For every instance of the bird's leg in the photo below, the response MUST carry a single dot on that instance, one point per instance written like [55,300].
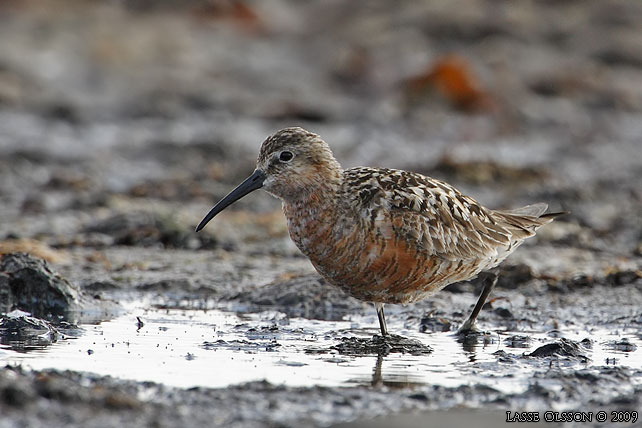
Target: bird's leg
[382,319]
[489,279]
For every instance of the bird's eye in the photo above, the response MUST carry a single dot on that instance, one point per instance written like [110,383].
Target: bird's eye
[286,156]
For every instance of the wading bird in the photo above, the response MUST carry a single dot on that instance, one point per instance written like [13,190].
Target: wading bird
[383,235]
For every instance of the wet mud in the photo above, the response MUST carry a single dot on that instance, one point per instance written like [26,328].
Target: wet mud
[380,346]
[122,123]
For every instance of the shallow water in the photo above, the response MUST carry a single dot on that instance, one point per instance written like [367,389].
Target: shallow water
[215,348]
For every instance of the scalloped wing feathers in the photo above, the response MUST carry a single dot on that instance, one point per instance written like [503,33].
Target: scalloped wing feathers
[434,216]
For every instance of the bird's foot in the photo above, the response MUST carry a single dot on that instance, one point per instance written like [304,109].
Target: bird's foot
[471,337]
[468,328]
[469,332]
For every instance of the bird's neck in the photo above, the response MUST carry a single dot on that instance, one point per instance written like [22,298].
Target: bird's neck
[316,200]
[313,189]
[310,215]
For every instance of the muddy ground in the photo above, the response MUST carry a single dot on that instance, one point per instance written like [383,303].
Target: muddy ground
[121,123]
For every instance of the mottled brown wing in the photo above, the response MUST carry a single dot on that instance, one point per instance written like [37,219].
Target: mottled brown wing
[429,214]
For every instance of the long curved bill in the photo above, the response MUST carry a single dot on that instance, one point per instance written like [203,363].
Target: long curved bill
[253,182]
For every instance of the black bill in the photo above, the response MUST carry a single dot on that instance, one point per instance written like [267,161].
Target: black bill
[253,182]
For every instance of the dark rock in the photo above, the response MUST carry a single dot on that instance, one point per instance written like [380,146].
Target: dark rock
[23,333]
[29,284]
[561,348]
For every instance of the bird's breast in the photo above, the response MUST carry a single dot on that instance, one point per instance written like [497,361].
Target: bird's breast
[370,264]
[316,231]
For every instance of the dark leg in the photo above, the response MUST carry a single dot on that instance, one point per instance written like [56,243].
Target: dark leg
[382,319]
[489,280]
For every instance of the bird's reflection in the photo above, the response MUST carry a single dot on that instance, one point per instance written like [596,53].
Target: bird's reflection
[396,381]
[471,342]
[394,347]
[377,377]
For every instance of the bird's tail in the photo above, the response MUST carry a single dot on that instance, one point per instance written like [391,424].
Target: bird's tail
[524,221]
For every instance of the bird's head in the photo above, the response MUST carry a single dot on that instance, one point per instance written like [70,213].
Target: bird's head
[292,164]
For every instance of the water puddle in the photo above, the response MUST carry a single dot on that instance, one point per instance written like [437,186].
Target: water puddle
[215,348]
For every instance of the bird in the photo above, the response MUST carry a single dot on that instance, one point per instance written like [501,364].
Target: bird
[385,236]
